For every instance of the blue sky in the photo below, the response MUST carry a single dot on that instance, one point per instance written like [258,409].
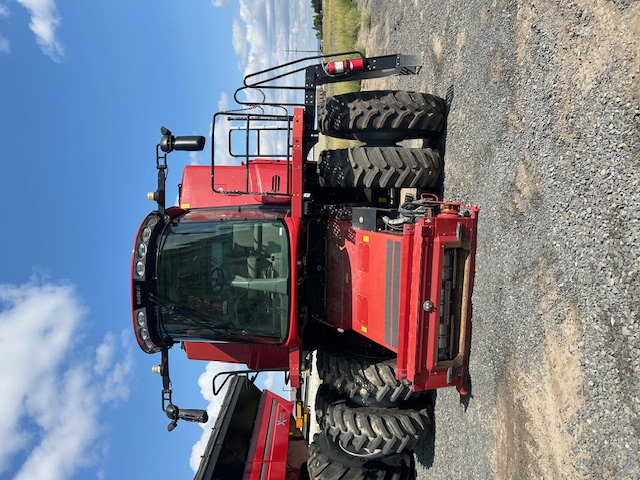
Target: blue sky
[84,89]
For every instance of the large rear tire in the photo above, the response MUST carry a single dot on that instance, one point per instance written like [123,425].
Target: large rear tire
[364,380]
[380,167]
[382,117]
[328,462]
[371,432]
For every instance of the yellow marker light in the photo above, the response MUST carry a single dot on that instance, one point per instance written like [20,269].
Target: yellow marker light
[185,206]
[299,421]
[365,238]
[364,329]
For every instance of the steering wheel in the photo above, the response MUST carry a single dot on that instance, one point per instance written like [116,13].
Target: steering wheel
[239,317]
[216,280]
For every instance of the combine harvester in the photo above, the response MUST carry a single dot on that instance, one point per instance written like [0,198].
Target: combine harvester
[346,268]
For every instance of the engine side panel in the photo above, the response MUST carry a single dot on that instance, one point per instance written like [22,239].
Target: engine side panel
[363,282]
[409,291]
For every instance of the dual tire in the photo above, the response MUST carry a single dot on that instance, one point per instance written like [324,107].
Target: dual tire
[380,167]
[366,441]
[327,462]
[370,421]
[365,380]
[382,116]
[371,432]
[381,119]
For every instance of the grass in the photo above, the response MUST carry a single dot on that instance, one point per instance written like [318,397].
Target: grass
[340,26]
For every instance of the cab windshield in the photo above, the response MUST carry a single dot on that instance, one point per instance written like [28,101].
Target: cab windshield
[224,281]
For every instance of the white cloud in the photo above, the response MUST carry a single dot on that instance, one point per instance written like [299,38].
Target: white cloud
[44,21]
[220,139]
[116,375]
[104,353]
[265,34]
[4,45]
[274,381]
[275,32]
[72,427]
[48,384]
[220,3]
[268,33]
[194,158]
[239,42]
[215,402]
[4,41]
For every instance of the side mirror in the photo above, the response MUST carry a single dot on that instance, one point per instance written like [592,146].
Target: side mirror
[191,143]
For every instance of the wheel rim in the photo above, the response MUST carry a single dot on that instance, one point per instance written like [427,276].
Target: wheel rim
[377,453]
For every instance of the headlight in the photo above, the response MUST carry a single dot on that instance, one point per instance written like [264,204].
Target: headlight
[146,234]
[142,318]
[142,250]
[144,334]
[140,268]
[150,345]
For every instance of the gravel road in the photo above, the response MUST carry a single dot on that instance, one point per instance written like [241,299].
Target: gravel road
[543,135]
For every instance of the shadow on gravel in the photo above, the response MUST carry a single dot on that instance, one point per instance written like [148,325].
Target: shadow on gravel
[424,454]
[440,142]
[464,399]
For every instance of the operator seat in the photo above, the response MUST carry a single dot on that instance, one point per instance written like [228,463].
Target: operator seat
[247,236]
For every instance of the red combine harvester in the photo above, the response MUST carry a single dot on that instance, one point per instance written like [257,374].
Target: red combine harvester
[345,268]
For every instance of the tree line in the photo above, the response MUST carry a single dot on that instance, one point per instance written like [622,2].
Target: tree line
[317,18]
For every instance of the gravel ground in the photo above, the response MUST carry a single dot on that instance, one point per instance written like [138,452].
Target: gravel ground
[543,136]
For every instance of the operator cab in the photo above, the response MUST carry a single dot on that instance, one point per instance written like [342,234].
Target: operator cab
[215,274]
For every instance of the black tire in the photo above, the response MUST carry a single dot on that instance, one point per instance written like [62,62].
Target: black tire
[327,462]
[380,167]
[362,379]
[371,432]
[382,117]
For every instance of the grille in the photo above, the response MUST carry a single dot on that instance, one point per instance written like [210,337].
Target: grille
[275,183]
[451,301]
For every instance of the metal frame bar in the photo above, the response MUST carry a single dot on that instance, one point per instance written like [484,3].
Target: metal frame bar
[315,74]
[247,118]
[249,374]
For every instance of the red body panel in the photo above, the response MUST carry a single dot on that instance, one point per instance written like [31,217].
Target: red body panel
[378,283]
[269,444]
[294,224]
[264,175]
[297,161]
[418,341]
[256,356]
[357,291]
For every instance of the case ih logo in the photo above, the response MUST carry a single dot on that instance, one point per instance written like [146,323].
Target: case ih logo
[138,295]
[281,420]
